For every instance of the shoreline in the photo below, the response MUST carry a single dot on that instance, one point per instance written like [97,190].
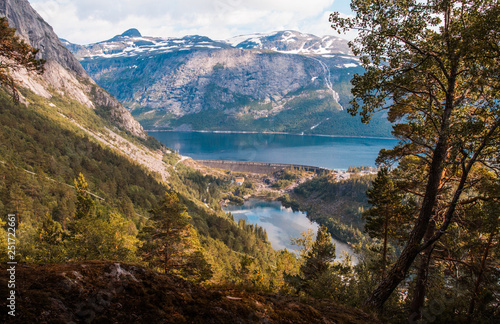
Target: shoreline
[270,133]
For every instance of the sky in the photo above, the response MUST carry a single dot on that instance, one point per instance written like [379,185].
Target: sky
[90,21]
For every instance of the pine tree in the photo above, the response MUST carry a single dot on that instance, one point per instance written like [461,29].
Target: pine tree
[316,277]
[320,257]
[50,240]
[434,67]
[97,235]
[170,241]
[85,205]
[386,212]
[16,54]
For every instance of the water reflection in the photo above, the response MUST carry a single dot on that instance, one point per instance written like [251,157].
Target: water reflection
[280,223]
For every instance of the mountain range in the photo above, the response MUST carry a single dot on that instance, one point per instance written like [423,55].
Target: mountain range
[284,81]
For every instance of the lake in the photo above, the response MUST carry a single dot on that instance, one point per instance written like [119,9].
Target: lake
[321,151]
[279,222]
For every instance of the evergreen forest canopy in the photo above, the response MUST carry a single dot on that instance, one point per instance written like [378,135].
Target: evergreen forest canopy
[434,67]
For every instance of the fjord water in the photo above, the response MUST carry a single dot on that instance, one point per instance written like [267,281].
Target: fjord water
[321,151]
[279,222]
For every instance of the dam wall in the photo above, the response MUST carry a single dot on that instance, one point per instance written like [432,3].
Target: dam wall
[257,167]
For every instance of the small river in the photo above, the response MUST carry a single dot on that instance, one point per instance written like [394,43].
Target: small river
[321,151]
[280,223]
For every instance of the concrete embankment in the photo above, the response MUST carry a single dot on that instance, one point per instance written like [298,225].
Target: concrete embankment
[257,167]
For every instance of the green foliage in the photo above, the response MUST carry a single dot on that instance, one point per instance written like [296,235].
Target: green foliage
[385,219]
[196,267]
[95,238]
[281,184]
[344,219]
[171,243]
[84,204]
[166,234]
[50,240]
[433,68]
[285,178]
[218,66]
[17,54]
[39,140]
[321,275]
[318,259]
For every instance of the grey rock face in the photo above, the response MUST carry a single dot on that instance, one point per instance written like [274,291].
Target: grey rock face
[33,29]
[63,71]
[253,75]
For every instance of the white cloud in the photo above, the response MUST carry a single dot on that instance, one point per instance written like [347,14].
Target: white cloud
[87,21]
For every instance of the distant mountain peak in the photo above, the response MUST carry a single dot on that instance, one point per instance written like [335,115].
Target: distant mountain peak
[292,42]
[132,32]
[129,33]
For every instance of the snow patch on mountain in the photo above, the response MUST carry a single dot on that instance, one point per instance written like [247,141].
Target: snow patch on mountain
[132,43]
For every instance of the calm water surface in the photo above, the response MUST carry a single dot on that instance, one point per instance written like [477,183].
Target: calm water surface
[321,151]
[329,152]
[279,222]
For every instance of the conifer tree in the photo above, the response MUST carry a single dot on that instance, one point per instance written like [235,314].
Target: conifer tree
[434,67]
[50,240]
[98,235]
[386,212]
[85,205]
[320,257]
[170,241]
[316,276]
[15,53]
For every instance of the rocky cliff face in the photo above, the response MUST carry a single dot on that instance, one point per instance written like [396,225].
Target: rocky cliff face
[63,72]
[283,81]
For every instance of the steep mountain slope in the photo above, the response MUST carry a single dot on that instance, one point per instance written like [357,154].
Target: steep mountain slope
[55,134]
[283,81]
[63,72]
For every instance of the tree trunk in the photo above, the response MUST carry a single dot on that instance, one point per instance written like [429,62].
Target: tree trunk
[384,252]
[412,249]
[166,260]
[479,278]
[421,282]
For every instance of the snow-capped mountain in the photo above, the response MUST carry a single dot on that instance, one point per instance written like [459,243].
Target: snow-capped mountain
[132,43]
[281,81]
[292,42]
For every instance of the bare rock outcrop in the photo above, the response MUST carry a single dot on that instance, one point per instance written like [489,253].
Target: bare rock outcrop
[63,72]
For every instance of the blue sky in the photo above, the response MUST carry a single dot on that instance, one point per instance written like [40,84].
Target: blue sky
[89,21]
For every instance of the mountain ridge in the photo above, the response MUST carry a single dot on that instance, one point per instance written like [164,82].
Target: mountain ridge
[63,72]
[283,81]
[286,41]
